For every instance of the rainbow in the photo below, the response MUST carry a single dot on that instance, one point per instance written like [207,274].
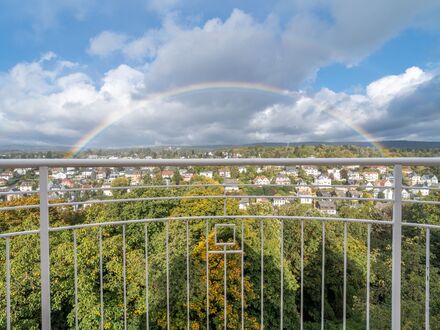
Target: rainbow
[209,86]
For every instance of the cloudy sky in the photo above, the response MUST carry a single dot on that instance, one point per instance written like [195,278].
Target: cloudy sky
[344,66]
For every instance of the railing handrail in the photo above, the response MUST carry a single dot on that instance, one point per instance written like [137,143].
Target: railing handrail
[404,161]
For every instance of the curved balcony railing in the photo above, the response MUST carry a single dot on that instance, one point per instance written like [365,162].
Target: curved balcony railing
[233,254]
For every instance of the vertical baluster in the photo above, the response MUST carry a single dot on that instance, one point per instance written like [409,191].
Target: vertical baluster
[44,249]
[187,275]
[75,273]
[207,274]
[323,276]
[302,277]
[344,317]
[168,272]
[101,281]
[428,243]
[147,307]
[225,281]
[397,249]
[242,274]
[124,276]
[8,284]
[262,274]
[368,276]
[282,276]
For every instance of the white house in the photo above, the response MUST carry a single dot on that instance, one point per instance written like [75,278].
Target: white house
[224,173]
[244,204]
[282,180]
[261,180]
[323,180]
[59,175]
[353,175]
[7,175]
[371,176]
[279,201]
[388,193]
[26,186]
[305,198]
[311,170]
[207,174]
[105,189]
[291,170]
[405,194]
[420,189]
[415,179]
[335,173]
[187,176]
[231,185]
[429,180]
[242,169]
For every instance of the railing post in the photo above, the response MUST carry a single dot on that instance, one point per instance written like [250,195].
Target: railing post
[397,248]
[44,249]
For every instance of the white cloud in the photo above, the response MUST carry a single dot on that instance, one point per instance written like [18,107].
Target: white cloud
[63,102]
[106,43]
[387,88]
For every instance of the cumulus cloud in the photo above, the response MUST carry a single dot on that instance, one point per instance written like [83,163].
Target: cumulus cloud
[106,43]
[64,102]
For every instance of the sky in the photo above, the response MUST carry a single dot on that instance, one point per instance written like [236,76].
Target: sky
[196,72]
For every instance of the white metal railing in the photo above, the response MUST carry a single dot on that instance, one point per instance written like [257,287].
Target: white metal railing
[45,229]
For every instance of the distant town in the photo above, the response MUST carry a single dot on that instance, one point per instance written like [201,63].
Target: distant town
[320,187]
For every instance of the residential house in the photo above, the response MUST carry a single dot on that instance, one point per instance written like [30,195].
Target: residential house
[311,170]
[59,175]
[406,194]
[186,177]
[261,180]
[105,189]
[326,207]
[291,170]
[231,185]
[414,178]
[26,186]
[224,173]
[242,169]
[282,180]
[429,180]
[353,175]
[420,189]
[68,183]
[279,201]
[322,180]
[7,175]
[324,194]
[354,194]
[305,198]
[334,173]
[207,174]
[3,182]
[370,176]
[244,204]
[262,200]
[167,174]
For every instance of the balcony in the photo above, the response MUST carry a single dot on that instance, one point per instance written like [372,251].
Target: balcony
[196,255]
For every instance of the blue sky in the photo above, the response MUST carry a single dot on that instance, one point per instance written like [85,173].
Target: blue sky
[69,65]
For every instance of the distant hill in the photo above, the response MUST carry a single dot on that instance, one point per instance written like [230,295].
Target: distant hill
[397,144]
